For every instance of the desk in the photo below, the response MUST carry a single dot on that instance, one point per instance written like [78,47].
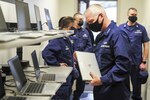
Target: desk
[24,42]
[11,89]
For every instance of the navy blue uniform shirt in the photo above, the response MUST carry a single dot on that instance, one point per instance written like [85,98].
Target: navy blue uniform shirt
[112,54]
[81,40]
[137,35]
[58,51]
[114,60]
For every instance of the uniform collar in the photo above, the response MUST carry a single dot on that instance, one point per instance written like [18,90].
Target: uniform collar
[80,29]
[126,25]
[130,28]
[108,29]
[101,35]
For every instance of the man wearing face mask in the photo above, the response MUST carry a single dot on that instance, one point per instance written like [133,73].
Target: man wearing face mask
[138,36]
[82,42]
[113,56]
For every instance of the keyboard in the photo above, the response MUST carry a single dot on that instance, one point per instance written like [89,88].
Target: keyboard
[35,88]
[48,77]
[16,98]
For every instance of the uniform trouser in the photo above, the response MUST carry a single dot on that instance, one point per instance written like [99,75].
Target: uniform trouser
[64,92]
[115,91]
[136,94]
[79,87]
[127,83]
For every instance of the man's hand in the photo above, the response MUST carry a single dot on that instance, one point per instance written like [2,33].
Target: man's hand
[96,81]
[75,56]
[143,66]
[63,65]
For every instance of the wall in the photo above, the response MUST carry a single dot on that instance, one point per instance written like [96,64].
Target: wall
[124,5]
[57,9]
[146,16]
[67,7]
[52,5]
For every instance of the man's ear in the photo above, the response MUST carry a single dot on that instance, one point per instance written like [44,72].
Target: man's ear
[101,15]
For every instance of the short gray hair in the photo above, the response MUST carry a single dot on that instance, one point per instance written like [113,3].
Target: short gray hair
[95,9]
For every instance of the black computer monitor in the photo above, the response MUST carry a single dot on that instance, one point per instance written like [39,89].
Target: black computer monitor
[23,17]
[48,18]
[38,17]
[3,27]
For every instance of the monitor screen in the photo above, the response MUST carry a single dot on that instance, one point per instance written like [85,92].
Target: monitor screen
[17,72]
[23,17]
[48,18]
[3,26]
[38,17]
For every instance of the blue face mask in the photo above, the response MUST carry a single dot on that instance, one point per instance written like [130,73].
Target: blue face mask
[96,27]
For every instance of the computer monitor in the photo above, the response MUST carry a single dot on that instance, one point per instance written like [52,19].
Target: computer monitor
[48,18]
[3,27]
[23,17]
[38,17]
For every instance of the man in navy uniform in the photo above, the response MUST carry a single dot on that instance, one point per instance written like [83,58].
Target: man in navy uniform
[138,36]
[81,42]
[112,53]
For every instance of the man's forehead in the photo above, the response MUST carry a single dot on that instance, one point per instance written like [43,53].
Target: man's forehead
[79,16]
[89,18]
[132,11]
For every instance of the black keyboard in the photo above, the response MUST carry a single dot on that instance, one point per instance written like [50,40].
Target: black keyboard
[35,88]
[16,98]
[48,77]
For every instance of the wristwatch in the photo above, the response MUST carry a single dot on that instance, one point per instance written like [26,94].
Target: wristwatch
[144,62]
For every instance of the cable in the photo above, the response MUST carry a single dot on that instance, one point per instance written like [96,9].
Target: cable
[11,91]
[10,85]
[10,80]
[30,80]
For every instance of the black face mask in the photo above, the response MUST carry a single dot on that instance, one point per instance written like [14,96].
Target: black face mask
[80,23]
[96,27]
[132,18]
